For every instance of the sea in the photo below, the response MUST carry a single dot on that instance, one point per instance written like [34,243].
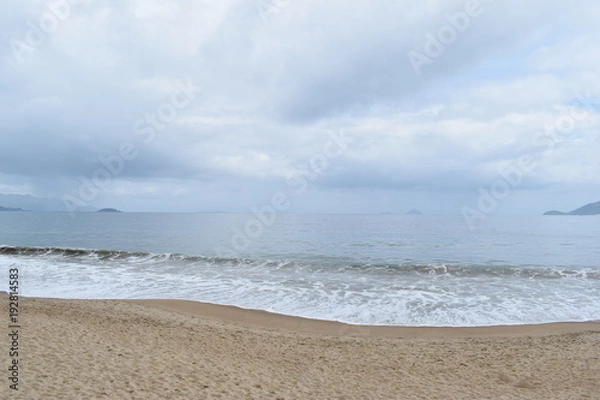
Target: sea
[360,269]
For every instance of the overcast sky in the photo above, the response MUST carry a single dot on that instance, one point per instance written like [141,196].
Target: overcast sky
[342,106]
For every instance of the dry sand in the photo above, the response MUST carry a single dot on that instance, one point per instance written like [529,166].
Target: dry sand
[169,349]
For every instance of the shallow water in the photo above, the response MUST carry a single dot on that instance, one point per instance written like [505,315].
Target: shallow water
[371,269]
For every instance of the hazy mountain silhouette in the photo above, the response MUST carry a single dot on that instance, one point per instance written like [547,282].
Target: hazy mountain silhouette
[588,209]
[32,203]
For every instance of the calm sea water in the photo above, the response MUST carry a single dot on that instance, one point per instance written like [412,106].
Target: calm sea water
[370,269]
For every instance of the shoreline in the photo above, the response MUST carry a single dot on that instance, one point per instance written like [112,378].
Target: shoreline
[255,318]
[271,320]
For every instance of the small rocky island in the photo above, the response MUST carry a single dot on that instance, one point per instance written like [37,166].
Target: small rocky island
[109,210]
[10,209]
[414,211]
[588,209]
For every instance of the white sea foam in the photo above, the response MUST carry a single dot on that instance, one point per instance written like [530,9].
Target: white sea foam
[434,295]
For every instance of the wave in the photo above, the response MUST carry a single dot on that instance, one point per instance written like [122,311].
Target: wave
[99,254]
[66,252]
[489,270]
[314,266]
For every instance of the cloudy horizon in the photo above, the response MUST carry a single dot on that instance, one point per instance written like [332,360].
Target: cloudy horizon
[446,106]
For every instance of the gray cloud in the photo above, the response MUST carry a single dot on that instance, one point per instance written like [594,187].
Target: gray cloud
[273,90]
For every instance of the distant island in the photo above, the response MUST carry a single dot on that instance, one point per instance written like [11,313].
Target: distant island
[414,211]
[588,209]
[109,210]
[10,209]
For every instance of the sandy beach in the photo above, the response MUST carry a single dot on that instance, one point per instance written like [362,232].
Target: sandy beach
[170,349]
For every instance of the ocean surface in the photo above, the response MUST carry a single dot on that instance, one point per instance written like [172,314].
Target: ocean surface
[367,269]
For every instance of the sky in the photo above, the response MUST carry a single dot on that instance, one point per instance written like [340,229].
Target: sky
[473,107]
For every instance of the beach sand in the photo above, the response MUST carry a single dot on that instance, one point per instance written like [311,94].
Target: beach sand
[170,349]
